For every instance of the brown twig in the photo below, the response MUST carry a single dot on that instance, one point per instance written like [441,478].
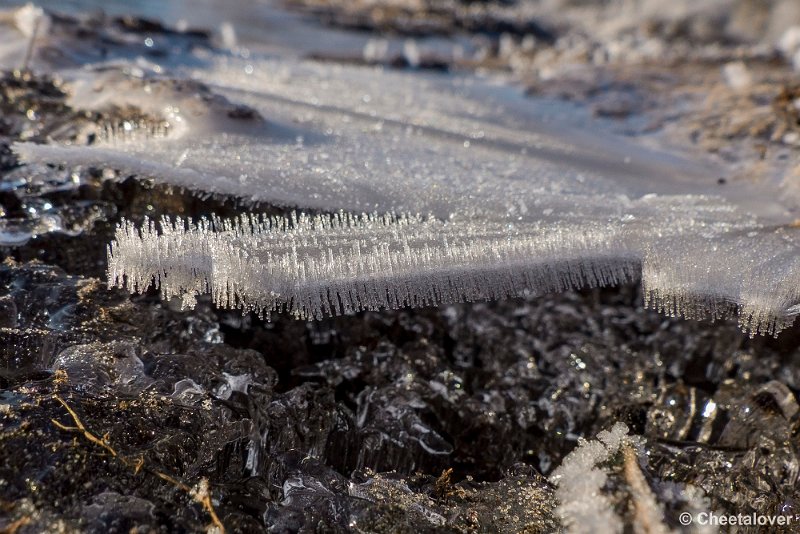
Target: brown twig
[82,429]
[14,526]
[200,493]
[647,515]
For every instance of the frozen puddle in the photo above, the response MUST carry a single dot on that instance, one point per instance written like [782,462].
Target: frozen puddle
[490,194]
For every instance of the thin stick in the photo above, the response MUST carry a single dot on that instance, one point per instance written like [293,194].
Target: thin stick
[201,493]
[31,43]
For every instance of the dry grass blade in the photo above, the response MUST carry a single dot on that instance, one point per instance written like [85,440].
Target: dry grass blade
[200,493]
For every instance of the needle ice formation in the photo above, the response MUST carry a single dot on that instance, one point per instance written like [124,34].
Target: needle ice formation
[497,194]
[328,265]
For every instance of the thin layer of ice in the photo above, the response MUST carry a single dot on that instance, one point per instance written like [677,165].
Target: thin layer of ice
[329,137]
[523,194]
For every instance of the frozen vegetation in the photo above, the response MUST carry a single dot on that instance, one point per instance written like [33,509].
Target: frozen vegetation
[579,481]
[584,503]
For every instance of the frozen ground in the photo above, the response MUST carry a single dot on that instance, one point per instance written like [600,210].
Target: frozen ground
[455,417]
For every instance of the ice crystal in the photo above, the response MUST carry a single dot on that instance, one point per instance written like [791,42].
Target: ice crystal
[337,264]
[333,264]
[579,481]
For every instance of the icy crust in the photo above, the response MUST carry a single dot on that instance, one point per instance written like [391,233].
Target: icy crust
[524,195]
[365,140]
[753,273]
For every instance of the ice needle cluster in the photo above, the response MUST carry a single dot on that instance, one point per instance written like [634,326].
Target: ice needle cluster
[313,266]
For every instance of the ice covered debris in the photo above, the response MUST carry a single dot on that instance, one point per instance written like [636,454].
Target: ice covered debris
[20,29]
[585,503]
[579,482]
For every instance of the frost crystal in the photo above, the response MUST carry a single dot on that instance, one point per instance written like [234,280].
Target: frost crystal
[313,266]
[579,482]
[330,265]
